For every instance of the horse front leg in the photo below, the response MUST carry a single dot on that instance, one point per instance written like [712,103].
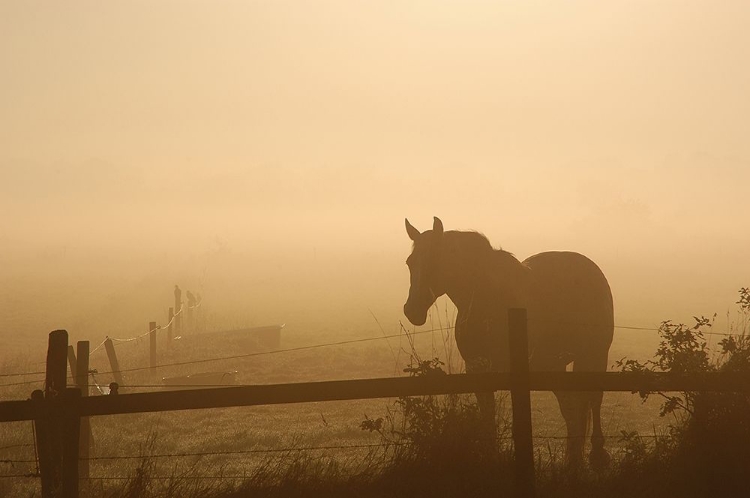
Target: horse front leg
[485,400]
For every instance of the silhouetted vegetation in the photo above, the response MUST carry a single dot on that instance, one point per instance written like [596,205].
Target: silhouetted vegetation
[437,446]
[707,449]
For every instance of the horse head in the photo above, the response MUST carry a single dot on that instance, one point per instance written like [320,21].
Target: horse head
[425,275]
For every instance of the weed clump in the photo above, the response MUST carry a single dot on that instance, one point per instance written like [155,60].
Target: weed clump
[707,448]
[440,445]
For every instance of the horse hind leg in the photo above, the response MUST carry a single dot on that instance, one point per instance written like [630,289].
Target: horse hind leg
[599,457]
[574,409]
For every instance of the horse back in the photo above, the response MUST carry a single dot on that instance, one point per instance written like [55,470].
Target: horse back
[569,303]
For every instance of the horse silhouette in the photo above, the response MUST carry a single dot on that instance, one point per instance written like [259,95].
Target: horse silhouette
[569,307]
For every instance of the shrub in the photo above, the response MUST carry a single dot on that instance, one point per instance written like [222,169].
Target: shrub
[708,448]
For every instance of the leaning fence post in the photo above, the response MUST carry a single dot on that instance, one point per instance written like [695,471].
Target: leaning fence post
[169,327]
[72,360]
[521,399]
[113,360]
[82,381]
[178,310]
[152,349]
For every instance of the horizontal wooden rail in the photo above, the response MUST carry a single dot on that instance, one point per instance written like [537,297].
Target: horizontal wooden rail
[338,390]
[16,411]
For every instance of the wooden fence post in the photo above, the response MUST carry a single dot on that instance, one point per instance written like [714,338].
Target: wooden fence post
[152,349]
[521,399]
[54,392]
[57,371]
[72,360]
[169,328]
[113,361]
[70,423]
[82,381]
[43,441]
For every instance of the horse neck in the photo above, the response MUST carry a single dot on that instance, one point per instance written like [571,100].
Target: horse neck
[488,278]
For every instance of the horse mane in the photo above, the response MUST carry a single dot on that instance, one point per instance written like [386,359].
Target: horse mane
[478,248]
[476,243]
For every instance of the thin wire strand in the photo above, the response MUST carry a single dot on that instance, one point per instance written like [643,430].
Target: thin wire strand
[160,327]
[276,351]
[21,374]
[24,445]
[259,353]
[241,452]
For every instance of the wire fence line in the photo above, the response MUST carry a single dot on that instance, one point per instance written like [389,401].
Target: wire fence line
[297,449]
[277,351]
[623,437]
[21,445]
[300,348]
[232,357]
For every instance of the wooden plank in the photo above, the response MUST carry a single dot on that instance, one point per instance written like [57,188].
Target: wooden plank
[16,411]
[387,388]
[286,393]
[520,394]
[394,387]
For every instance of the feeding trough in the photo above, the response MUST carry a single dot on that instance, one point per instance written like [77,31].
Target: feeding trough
[198,380]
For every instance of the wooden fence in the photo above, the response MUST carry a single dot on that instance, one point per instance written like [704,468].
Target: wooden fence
[59,412]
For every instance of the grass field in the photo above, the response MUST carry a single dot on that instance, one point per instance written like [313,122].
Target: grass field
[259,435]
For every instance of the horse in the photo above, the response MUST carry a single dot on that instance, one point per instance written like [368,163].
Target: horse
[569,308]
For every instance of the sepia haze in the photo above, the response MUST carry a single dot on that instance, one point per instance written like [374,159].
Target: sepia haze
[268,152]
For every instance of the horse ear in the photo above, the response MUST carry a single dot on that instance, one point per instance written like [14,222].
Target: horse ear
[437,226]
[413,232]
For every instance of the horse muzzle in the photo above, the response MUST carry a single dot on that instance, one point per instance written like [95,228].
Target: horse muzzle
[416,317]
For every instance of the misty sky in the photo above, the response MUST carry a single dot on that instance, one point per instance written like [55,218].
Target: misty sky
[296,133]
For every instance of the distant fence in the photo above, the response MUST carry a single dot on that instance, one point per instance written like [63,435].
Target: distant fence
[60,412]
